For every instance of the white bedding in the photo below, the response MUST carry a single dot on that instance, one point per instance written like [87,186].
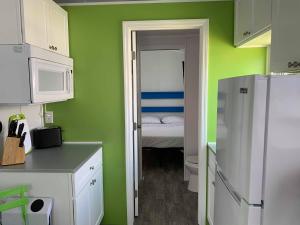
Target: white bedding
[162,142]
[163,130]
[163,135]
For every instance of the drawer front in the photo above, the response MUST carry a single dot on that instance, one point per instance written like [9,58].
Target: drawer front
[85,173]
[211,197]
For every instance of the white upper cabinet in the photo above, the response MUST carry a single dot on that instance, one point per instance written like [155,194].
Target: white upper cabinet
[37,22]
[57,29]
[285,48]
[243,21]
[252,19]
[34,22]
[261,15]
[10,22]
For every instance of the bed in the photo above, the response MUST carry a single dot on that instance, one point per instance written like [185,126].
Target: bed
[165,129]
[163,135]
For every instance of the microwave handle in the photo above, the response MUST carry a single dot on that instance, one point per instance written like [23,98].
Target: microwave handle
[68,79]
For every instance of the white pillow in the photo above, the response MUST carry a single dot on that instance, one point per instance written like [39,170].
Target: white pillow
[172,119]
[150,120]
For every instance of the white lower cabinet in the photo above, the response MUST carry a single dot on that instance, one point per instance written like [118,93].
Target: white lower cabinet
[82,207]
[211,197]
[96,198]
[77,197]
[89,202]
[211,173]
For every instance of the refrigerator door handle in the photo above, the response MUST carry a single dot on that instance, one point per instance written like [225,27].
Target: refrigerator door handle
[233,193]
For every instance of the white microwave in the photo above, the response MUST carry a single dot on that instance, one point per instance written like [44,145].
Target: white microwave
[31,75]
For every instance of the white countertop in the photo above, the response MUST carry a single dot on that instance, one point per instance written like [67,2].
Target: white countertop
[212,146]
[65,159]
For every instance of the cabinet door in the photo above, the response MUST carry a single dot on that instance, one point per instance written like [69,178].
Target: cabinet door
[34,22]
[83,207]
[57,29]
[243,20]
[210,197]
[96,196]
[10,22]
[261,15]
[285,51]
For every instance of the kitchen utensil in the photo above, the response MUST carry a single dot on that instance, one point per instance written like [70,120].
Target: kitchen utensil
[20,130]
[20,118]
[22,139]
[12,128]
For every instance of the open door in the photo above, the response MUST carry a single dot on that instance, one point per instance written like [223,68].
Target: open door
[136,126]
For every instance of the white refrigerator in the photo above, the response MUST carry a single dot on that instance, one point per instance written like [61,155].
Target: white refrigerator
[258,151]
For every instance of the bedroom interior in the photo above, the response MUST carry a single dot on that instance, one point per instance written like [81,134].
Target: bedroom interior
[168,67]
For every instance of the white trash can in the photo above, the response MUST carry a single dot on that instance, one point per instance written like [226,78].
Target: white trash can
[39,212]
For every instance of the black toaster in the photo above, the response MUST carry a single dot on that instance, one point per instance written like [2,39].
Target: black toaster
[47,137]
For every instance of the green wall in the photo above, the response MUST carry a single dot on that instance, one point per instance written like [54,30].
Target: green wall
[97,112]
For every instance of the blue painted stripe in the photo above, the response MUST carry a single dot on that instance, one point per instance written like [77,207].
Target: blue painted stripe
[163,95]
[163,109]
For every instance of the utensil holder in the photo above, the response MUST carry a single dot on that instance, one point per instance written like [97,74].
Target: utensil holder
[12,153]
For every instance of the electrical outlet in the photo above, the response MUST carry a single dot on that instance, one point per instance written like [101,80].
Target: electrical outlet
[48,117]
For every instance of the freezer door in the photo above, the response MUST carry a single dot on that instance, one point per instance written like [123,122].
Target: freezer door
[231,211]
[282,182]
[240,134]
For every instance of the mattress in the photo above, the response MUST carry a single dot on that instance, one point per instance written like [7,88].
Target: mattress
[163,130]
[162,142]
[163,135]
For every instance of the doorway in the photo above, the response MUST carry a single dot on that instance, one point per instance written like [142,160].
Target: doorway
[131,118]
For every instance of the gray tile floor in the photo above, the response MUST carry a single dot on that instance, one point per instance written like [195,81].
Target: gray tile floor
[164,198]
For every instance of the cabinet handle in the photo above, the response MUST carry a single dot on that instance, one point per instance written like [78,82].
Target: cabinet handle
[92,168]
[246,33]
[93,182]
[53,47]
[214,183]
[294,64]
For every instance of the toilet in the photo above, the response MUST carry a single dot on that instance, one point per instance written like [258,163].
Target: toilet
[191,163]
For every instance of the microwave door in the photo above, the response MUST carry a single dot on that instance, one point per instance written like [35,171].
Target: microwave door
[50,81]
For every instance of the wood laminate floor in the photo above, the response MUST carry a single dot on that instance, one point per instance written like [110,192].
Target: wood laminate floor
[163,196]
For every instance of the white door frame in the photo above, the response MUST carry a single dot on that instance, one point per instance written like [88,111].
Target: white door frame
[128,27]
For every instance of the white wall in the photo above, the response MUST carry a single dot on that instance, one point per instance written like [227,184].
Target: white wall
[33,114]
[161,70]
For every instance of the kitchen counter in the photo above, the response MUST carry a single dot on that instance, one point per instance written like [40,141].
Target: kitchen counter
[64,159]
[212,146]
